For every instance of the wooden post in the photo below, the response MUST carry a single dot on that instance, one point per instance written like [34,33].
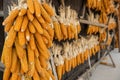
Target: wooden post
[118,24]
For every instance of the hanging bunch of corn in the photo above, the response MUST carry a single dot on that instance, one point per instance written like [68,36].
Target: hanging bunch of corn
[29,35]
[101,5]
[66,25]
[73,54]
[103,18]
[111,24]
[91,28]
[109,6]
[58,59]
[94,4]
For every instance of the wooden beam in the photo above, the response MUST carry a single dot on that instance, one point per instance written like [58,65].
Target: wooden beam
[92,23]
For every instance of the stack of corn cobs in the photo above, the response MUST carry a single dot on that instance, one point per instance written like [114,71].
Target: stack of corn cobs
[102,5]
[66,25]
[105,7]
[29,35]
[31,27]
[102,18]
[69,55]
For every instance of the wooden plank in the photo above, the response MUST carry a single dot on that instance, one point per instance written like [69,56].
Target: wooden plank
[92,23]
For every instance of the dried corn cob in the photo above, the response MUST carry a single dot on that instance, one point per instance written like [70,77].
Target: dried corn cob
[24,24]
[18,23]
[30,6]
[13,14]
[11,37]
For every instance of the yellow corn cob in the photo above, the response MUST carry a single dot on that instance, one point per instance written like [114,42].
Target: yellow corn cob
[78,28]
[59,71]
[31,61]
[22,12]
[36,76]
[49,44]
[44,25]
[22,39]
[24,63]
[69,32]
[6,74]
[18,23]
[8,26]
[41,20]
[69,63]
[32,42]
[37,8]
[48,9]
[45,14]
[48,77]
[31,28]
[7,56]
[37,26]
[39,68]
[15,75]
[19,49]
[46,34]
[76,34]
[66,65]
[50,31]
[51,74]
[45,40]
[36,52]
[44,53]
[27,34]
[14,61]
[57,32]
[43,62]
[72,62]
[63,70]
[30,6]
[24,24]
[30,15]
[13,14]
[10,38]
[64,30]
[40,41]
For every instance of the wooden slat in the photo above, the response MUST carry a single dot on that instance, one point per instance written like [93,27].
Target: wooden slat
[92,23]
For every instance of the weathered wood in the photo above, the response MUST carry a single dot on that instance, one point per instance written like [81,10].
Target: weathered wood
[118,24]
[93,23]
